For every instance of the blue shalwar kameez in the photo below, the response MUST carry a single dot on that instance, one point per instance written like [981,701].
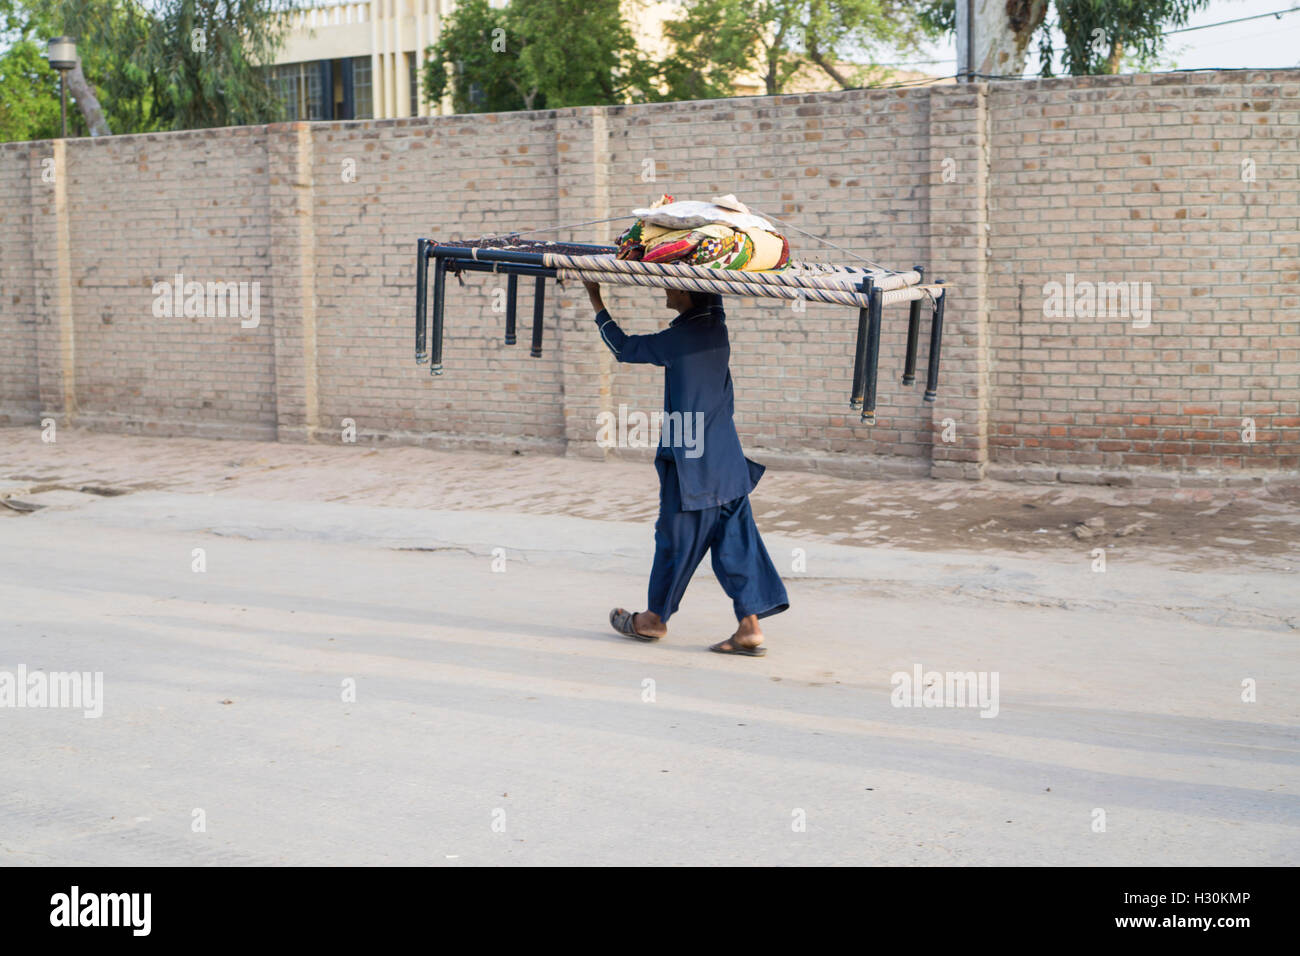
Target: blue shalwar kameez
[703,489]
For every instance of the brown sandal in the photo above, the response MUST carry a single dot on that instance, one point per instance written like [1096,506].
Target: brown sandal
[734,647]
[624,622]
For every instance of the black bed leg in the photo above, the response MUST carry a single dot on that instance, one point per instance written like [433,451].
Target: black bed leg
[435,332]
[512,301]
[421,299]
[539,310]
[859,360]
[872,368]
[913,335]
[936,337]
[860,350]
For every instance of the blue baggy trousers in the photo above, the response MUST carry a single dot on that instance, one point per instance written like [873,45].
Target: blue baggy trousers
[740,561]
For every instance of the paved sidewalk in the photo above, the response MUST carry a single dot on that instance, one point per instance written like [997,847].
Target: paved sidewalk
[1205,528]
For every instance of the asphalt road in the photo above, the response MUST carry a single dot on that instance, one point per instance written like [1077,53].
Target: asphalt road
[498,720]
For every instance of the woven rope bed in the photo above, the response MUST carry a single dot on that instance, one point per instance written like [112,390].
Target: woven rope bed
[799,280]
[867,290]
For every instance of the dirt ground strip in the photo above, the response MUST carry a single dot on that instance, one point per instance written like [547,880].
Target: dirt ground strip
[1192,528]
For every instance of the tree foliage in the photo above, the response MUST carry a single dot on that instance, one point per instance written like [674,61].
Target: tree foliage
[578,52]
[110,36]
[718,41]
[160,64]
[29,93]
[553,53]
[1100,33]
[536,54]
[474,60]
[210,58]
[713,43]
[1093,36]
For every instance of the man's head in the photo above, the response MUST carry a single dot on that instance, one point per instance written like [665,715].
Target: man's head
[680,301]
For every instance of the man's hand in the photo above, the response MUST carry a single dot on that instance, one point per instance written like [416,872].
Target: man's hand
[593,293]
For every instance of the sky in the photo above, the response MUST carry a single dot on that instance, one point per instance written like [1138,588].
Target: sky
[1257,43]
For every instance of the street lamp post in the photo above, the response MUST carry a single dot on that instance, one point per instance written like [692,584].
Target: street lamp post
[62,55]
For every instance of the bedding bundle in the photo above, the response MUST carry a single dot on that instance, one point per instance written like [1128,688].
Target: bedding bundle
[721,234]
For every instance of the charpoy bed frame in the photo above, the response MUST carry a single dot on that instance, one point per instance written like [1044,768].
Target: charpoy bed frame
[870,290]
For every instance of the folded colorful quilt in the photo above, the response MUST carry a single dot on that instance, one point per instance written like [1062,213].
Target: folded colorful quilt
[718,236]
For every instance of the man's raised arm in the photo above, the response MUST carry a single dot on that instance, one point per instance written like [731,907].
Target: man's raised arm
[626,348]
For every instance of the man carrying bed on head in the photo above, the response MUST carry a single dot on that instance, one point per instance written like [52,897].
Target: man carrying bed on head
[704,488]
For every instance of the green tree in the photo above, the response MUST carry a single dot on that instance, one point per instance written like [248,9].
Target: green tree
[1099,36]
[211,57]
[578,52]
[152,64]
[111,36]
[475,59]
[713,43]
[537,54]
[717,41]
[29,87]
[29,94]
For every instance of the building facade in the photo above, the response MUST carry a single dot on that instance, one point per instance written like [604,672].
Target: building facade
[358,60]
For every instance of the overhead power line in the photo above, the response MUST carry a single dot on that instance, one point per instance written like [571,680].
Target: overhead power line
[1279,14]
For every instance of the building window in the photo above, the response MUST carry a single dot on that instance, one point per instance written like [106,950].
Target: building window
[414,74]
[315,101]
[362,91]
[284,80]
[300,88]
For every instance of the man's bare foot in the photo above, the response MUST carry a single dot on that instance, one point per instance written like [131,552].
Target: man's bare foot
[747,640]
[643,625]
[649,623]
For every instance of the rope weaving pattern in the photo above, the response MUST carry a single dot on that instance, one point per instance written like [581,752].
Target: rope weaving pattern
[798,281]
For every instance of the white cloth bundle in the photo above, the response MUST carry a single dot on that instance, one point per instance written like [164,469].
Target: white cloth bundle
[690,213]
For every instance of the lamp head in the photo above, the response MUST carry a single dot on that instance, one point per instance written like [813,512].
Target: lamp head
[62,53]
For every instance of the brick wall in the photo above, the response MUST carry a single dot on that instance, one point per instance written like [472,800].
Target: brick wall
[141,210]
[377,187]
[19,378]
[798,159]
[1189,182]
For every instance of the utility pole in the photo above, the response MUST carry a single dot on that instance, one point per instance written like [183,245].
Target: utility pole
[966,41]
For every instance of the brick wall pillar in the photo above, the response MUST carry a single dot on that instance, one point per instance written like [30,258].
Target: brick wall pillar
[582,194]
[52,282]
[959,223]
[292,272]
